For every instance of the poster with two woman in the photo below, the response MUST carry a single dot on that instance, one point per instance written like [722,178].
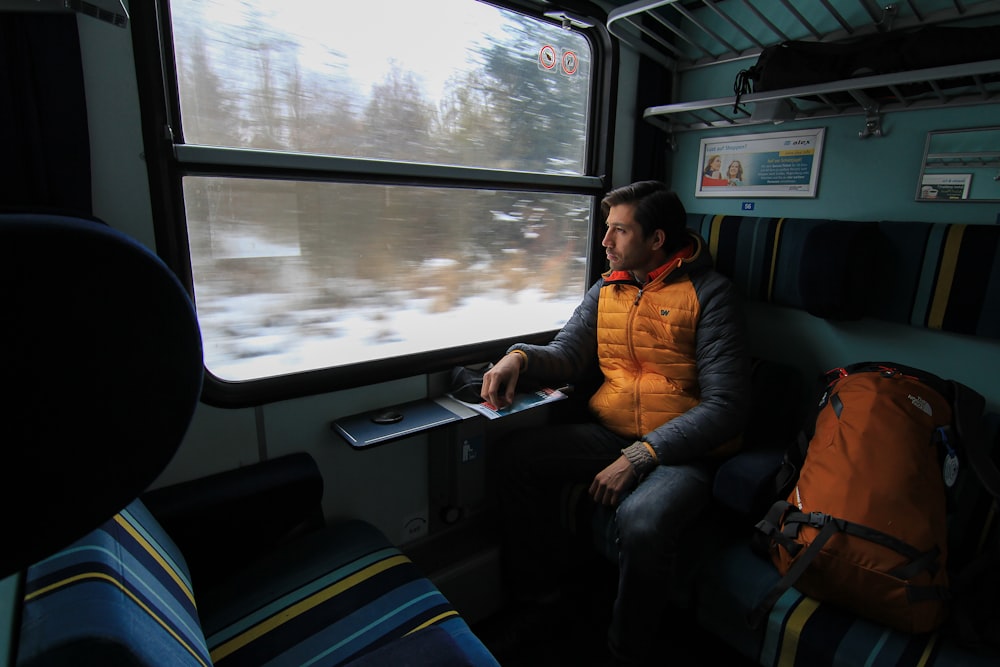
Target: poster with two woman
[775,164]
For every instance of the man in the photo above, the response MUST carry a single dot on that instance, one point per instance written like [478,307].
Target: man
[667,334]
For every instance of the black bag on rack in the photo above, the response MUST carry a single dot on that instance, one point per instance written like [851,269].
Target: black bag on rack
[802,63]
[797,63]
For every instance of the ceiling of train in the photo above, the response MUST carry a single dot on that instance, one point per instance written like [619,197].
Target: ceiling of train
[695,32]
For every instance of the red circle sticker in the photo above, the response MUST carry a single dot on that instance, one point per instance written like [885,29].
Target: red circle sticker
[570,62]
[547,57]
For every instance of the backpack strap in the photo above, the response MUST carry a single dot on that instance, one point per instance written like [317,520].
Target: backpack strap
[768,531]
[743,84]
[919,560]
[763,608]
[785,513]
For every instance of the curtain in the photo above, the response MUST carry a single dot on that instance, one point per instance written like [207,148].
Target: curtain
[44,143]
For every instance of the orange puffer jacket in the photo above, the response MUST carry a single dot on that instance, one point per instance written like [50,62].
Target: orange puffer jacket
[672,354]
[646,348]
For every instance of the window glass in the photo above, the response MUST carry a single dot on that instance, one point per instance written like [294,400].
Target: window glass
[362,272]
[464,83]
[366,181]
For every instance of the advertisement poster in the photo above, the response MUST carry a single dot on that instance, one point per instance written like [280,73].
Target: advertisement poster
[945,187]
[776,164]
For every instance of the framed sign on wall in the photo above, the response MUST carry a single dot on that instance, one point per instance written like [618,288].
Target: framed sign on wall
[775,164]
[944,186]
[961,165]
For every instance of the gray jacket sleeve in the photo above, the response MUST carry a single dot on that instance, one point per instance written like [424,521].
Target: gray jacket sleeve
[723,377]
[573,350]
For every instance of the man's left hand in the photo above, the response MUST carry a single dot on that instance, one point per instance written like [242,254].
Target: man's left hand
[611,484]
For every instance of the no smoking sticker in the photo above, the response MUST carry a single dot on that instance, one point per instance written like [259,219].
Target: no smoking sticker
[547,57]
[570,62]
[550,58]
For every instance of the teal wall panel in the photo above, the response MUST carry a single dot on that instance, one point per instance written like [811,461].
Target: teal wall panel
[860,179]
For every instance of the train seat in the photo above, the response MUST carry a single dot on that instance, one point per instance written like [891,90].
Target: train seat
[823,267]
[342,595]
[922,274]
[800,630]
[105,351]
[722,578]
[102,351]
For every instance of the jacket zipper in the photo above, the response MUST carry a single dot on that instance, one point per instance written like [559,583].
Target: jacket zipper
[631,350]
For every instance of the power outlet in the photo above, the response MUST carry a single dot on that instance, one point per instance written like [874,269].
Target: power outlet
[414,527]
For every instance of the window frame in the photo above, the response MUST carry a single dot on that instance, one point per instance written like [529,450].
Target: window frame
[169,160]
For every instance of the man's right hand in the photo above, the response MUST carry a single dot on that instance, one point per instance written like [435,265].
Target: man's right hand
[500,381]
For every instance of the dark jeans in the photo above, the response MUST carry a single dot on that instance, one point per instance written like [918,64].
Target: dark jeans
[539,466]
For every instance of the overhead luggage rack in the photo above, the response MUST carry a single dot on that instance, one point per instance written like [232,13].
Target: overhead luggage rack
[687,34]
[954,85]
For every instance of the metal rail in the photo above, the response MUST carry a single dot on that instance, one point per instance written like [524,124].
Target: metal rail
[686,35]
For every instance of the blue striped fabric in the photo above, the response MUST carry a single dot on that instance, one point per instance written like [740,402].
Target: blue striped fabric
[336,596]
[770,259]
[120,595]
[928,278]
[802,632]
[965,296]
[744,249]
[932,275]
[941,276]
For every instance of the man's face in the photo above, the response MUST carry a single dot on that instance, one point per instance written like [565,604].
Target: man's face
[626,249]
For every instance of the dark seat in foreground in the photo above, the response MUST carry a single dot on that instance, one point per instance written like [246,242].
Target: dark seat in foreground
[338,595]
[107,360]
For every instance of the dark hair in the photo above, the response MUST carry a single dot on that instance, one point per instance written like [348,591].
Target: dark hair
[655,207]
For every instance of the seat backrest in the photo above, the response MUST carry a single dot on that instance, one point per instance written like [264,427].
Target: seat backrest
[121,595]
[103,366]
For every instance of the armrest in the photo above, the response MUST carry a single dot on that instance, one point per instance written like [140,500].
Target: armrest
[228,519]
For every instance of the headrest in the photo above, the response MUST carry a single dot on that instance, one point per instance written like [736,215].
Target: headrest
[102,362]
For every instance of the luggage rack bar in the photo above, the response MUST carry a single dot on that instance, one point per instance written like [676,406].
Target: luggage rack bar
[953,85]
[685,34]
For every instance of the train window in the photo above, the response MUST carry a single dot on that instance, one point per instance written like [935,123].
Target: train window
[369,181]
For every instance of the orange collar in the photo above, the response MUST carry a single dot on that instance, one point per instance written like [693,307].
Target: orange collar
[684,253]
[675,261]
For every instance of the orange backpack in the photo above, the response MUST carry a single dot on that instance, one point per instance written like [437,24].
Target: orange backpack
[865,526]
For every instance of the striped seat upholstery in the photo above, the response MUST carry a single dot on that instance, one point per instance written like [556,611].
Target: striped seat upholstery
[802,632]
[933,275]
[744,249]
[335,596]
[941,276]
[821,266]
[122,596]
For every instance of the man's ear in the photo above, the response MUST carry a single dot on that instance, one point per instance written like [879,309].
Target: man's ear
[659,238]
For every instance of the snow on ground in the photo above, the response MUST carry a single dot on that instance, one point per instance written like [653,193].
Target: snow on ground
[262,335]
